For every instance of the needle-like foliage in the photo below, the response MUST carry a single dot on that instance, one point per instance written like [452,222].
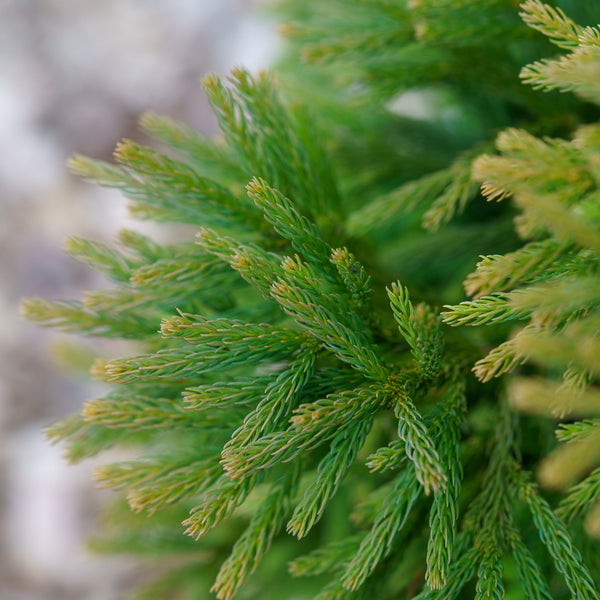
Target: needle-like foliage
[307,364]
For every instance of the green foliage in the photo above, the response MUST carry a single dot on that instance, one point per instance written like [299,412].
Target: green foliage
[296,375]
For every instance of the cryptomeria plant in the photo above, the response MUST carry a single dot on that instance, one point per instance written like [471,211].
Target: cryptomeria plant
[310,365]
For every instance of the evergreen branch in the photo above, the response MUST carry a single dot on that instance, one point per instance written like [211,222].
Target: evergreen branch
[375,67]
[585,139]
[289,223]
[429,342]
[443,517]
[163,189]
[577,72]
[142,247]
[232,120]
[254,542]
[180,271]
[335,591]
[215,345]
[128,533]
[229,395]
[569,462]
[257,267]
[273,410]
[199,152]
[461,571]
[379,541]
[169,176]
[522,145]
[580,497]
[115,300]
[355,278]
[153,484]
[398,202]
[500,272]
[84,440]
[404,314]
[449,22]
[489,576]
[337,410]
[497,308]
[218,503]
[455,197]
[537,396]
[556,298]
[492,507]
[150,305]
[268,139]
[123,300]
[99,172]
[577,345]
[419,447]
[233,333]
[270,450]
[575,381]
[136,411]
[533,166]
[246,392]
[545,212]
[74,317]
[501,359]
[557,539]
[572,432]
[420,328]
[330,473]
[368,29]
[261,114]
[323,18]
[533,582]
[328,559]
[167,364]
[392,456]
[590,38]
[312,424]
[552,22]
[327,316]
[102,258]
[490,514]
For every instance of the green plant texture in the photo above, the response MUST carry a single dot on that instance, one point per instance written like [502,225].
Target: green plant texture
[371,368]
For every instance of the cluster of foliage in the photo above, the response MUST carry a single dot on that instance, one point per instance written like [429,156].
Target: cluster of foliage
[317,372]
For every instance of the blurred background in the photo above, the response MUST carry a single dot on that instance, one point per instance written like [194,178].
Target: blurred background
[74,77]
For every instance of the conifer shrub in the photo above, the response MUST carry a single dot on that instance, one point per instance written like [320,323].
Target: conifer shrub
[356,372]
